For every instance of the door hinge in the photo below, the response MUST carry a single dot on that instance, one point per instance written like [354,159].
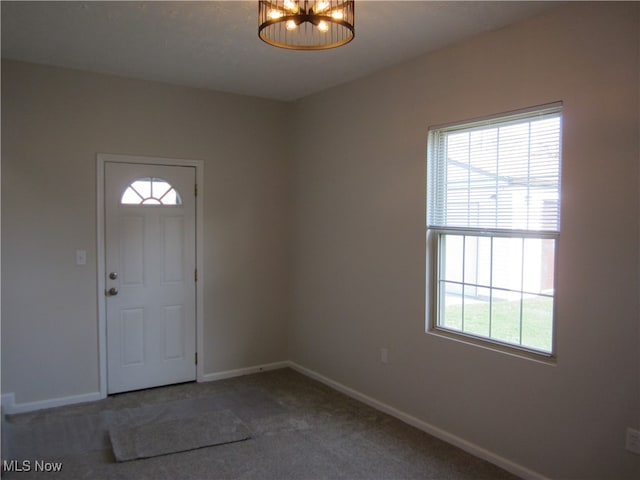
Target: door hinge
[195,275]
[195,189]
[196,358]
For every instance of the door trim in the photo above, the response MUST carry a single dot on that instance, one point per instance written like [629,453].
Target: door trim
[101,159]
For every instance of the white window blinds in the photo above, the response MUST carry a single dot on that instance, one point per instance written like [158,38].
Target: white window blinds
[501,174]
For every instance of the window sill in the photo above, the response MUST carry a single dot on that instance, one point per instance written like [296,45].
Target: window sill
[459,337]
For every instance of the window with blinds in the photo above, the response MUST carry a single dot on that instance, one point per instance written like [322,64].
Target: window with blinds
[493,222]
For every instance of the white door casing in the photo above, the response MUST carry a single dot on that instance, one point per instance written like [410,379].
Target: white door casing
[150,259]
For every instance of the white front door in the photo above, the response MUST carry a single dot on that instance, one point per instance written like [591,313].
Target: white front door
[150,275]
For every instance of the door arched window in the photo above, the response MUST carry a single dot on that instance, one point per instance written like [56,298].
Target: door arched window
[150,191]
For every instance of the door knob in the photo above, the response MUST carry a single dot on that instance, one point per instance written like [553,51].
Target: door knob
[113,275]
[113,291]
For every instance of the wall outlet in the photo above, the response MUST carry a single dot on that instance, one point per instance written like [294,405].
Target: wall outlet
[384,355]
[633,440]
[81,257]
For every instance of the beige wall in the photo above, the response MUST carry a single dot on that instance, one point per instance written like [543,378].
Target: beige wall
[358,282]
[54,121]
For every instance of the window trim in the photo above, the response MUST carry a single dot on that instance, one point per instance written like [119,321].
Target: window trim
[434,233]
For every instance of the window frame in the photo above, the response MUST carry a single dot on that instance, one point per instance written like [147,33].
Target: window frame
[144,201]
[435,278]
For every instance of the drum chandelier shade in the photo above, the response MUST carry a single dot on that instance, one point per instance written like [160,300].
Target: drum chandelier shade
[306,24]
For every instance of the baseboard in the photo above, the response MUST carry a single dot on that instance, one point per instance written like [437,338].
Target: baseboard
[461,443]
[7,401]
[10,407]
[210,377]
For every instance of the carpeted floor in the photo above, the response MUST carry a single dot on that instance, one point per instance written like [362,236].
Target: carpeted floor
[298,429]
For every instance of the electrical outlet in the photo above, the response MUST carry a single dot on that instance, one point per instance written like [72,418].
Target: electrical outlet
[384,355]
[633,440]
[81,257]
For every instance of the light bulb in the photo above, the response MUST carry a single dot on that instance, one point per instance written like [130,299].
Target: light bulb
[291,25]
[275,14]
[291,6]
[338,14]
[321,6]
[323,26]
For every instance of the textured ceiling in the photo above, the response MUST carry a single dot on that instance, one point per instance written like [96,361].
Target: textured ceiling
[215,45]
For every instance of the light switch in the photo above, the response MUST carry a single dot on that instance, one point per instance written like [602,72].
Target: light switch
[81,257]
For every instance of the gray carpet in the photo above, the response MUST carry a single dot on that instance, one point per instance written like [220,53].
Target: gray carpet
[299,429]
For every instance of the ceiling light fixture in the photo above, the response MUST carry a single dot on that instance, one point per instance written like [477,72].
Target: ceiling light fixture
[306,24]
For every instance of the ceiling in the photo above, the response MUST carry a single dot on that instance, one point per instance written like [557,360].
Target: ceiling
[215,45]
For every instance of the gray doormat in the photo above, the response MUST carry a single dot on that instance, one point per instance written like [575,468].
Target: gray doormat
[173,436]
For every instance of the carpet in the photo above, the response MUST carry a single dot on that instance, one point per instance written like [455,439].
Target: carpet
[300,429]
[173,436]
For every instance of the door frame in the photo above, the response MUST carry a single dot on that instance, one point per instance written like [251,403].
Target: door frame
[101,160]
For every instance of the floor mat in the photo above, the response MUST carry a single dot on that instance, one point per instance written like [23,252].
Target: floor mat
[162,438]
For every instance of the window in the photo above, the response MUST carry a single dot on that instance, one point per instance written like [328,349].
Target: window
[493,223]
[150,191]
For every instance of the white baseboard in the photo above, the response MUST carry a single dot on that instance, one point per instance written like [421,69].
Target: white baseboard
[9,405]
[461,443]
[7,400]
[210,377]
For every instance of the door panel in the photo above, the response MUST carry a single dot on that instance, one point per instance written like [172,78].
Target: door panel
[173,246]
[174,328]
[132,336]
[150,261]
[132,250]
